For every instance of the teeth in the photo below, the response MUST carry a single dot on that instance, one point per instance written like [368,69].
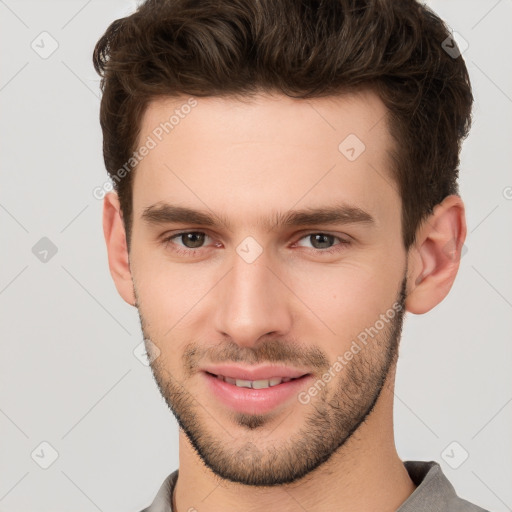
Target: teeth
[244,383]
[255,384]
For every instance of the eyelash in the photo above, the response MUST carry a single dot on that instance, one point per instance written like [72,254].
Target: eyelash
[184,251]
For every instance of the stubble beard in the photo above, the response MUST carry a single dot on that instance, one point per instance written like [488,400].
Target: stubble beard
[243,451]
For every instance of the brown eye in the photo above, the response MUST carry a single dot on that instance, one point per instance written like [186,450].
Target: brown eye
[192,240]
[321,240]
[323,243]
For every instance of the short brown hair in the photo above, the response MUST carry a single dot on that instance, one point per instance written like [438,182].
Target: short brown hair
[304,49]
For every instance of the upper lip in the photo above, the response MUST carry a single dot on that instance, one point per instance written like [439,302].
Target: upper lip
[254,373]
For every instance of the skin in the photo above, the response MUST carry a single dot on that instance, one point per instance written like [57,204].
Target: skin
[242,161]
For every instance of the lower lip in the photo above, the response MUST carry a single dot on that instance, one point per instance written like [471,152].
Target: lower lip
[255,401]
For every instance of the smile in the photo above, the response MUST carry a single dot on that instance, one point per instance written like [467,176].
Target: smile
[259,396]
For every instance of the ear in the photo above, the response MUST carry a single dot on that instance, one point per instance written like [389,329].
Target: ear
[115,238]
[434,258]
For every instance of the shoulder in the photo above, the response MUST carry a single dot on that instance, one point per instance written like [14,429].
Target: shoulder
[434,491]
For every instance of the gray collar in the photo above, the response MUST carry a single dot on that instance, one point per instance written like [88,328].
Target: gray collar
[433,492]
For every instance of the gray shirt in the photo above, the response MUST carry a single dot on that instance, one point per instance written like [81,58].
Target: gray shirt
[434,493]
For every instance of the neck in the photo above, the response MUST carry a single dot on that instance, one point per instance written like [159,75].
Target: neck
[364,474]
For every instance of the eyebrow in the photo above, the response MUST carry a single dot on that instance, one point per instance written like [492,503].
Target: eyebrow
[164,213]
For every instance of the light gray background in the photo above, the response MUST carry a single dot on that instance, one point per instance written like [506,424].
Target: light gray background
[68,373]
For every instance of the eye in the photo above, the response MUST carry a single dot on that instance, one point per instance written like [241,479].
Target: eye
[191,242]
[324,242]
[191,239]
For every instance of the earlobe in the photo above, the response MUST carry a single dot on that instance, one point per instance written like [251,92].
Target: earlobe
[435,257]
[115,238]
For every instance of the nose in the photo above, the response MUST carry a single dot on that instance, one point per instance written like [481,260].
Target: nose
[253,302]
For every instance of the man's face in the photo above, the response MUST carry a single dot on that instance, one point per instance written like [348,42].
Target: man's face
[252,290]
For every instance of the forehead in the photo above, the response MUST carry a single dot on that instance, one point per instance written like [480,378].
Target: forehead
[268,152]
[262,117]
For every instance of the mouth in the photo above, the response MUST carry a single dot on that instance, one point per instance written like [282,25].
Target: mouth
[258,396]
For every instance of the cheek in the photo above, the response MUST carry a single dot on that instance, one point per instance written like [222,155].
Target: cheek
[341,301]
[169,295]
